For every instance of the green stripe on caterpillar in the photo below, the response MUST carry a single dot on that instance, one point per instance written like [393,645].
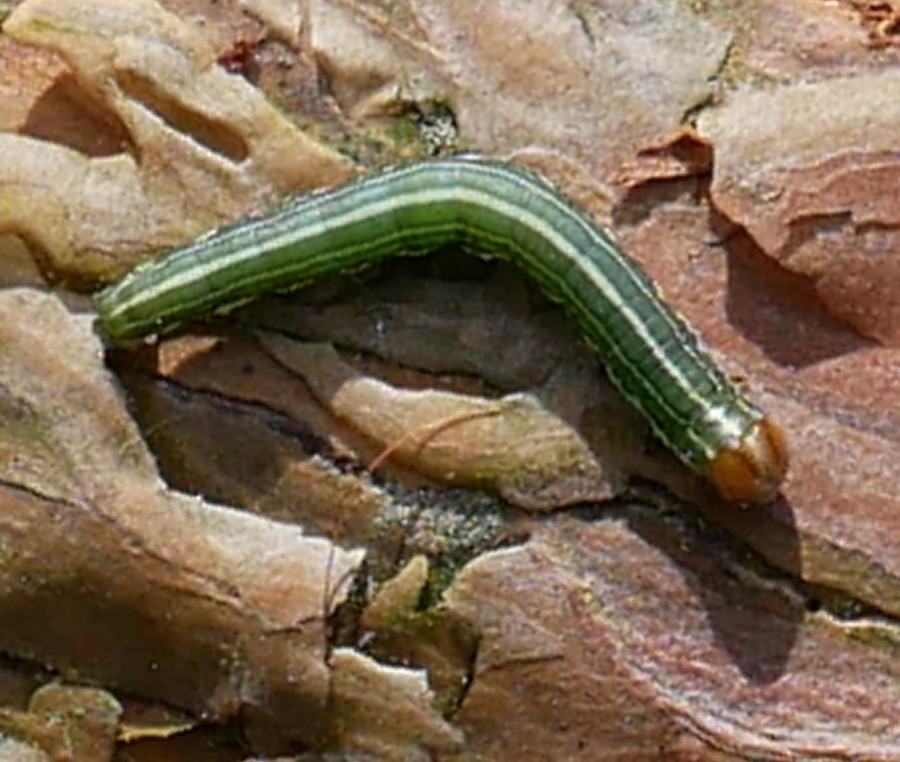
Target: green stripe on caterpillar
[651,355]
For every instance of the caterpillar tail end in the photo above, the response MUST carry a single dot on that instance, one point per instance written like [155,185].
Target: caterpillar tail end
[751,471]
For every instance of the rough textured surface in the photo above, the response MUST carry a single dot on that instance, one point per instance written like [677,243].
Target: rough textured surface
[79,724]
[206,139]
[162,595]
[630,635]
[610,75]
[819,201]
[744,152]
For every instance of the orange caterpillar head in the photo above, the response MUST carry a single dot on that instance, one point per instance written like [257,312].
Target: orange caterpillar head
[751,471]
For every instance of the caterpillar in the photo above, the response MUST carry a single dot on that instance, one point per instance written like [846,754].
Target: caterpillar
[492,209]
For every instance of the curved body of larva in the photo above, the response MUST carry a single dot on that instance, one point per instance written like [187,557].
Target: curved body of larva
[651,355]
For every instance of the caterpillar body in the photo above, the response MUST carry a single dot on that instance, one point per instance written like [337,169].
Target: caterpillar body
[652,356]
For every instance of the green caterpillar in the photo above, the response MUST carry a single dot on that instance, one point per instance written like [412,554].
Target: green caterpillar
[651,355]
